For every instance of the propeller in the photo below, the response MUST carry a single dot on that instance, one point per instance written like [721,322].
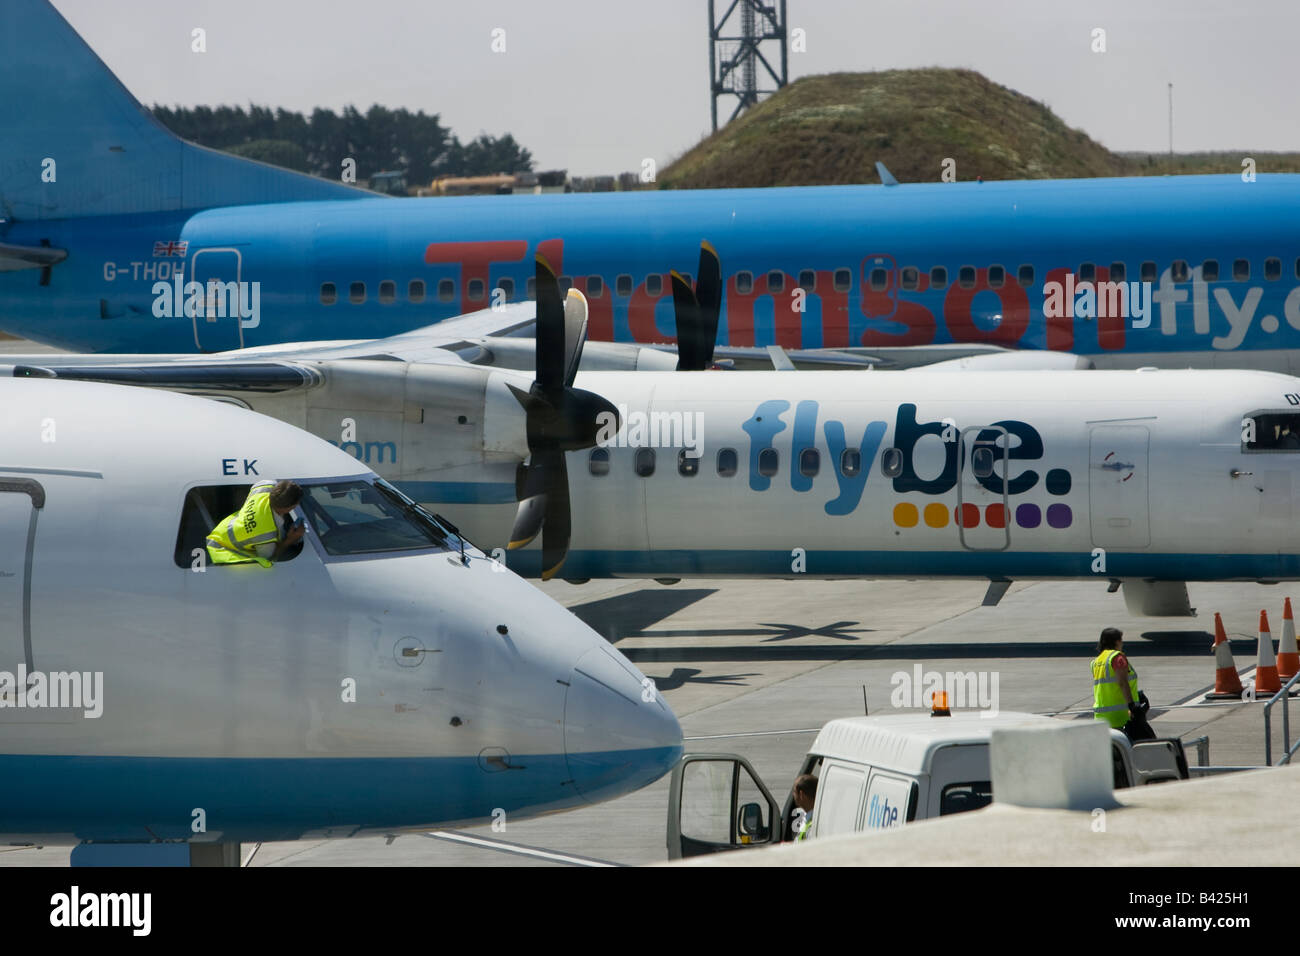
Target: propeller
[697,311]
[560,418]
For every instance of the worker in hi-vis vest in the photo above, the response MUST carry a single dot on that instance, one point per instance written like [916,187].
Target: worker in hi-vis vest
[805,794]
[259,531]
[1115,695]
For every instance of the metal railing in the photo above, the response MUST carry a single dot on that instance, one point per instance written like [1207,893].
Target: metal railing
[1290,748]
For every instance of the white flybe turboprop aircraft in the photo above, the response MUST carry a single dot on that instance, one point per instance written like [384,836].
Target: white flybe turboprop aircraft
[1150,478]
[387,676]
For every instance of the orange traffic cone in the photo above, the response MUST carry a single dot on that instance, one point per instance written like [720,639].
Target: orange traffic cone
[1288,659]
[1227,683]
[1266,679]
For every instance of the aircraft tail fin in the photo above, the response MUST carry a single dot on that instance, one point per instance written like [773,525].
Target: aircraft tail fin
[76,143]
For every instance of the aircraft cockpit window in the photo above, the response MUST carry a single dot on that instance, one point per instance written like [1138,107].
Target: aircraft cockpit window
[1025,276]
[357,517]
[850,462]
[1148,272]
[1210,270]
[1118,272]
[203,508]
[1178,271]
[387,292]
[1241,270]
[843,278]
[415,290]
[599,463]
[997,276]
[446,290]
[357,293]
[939,277]
[727,462]
[645,462]
[1271,432]
[328,293]
[1272,269]
[966,277]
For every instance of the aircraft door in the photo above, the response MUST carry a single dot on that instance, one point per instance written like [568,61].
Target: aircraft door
[983,511]
[879,286]
[21,500]
[217,323]
[1117,486]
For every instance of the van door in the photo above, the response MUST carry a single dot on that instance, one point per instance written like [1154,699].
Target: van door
[838,808]
[716,802]
[21,500]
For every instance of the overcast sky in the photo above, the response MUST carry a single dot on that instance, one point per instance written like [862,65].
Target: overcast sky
[595,86]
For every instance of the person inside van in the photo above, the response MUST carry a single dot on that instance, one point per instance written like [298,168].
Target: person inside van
[805,793]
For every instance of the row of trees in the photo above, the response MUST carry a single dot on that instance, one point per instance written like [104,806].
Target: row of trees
[378,139]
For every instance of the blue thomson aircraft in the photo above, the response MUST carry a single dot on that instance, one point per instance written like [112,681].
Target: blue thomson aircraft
[115,232]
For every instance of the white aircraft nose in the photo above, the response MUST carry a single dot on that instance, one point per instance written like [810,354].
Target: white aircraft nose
[619,735]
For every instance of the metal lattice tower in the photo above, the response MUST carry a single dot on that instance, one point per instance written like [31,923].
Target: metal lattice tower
[734,60]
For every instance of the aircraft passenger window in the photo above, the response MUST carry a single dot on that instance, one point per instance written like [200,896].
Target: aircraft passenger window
[1025,276]
[415,290]
[1241,270]
[687,466]
[599,463]
[507,286]
[961,797]
[850,462]
[981,462]
[566,283]
[358,517]
[768,462]
[645,462]
[1273,431]
[357,293]
[387,291]
[891,463]
[623,286]
[727,462]
[530,287]
[810,462]
[1297,268]
[1210,270]
[1178,270]
[1088,272]
[1148,272]
[1117,272]
[776,282]
[879,280]
[1272,269]
[939,277]
[328,294]
[807,280]
[966,277]
[446,290]
[911,278]
[843,278]
[475,289]
[744,282]
[595,287]
[997,275]
[654,284]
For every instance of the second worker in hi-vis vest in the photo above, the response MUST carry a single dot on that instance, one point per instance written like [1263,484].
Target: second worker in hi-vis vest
[259,531]
[1115,695]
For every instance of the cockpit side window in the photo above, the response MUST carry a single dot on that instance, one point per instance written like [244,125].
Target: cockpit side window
[358,516]
[1270,431]
[204,506]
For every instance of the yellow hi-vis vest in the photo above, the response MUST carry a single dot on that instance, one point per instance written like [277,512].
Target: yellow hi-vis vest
[234,539]
[1108,701]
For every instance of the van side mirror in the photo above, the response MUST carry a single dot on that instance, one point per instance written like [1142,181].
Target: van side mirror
[750,823]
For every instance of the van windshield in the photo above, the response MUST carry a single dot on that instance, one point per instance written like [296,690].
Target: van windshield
[358,516]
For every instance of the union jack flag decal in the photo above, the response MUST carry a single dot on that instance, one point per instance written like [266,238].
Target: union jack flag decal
[173,247]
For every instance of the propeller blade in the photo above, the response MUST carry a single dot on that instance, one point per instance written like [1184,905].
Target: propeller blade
[550,329]
[687,314]
[556,526]
[530,489]
[575,333]
[708,293]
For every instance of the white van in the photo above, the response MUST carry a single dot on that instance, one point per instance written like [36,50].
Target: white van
[872,773]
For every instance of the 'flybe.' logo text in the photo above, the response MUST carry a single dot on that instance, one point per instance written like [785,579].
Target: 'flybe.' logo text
[851,459]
